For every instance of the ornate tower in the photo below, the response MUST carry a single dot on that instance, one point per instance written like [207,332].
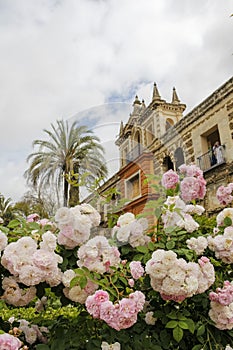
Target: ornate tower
[146,124]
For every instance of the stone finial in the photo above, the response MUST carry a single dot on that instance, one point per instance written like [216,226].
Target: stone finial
[136,106]
[143,104]
[136,101]
[156,95]
[121,128]
[175,99]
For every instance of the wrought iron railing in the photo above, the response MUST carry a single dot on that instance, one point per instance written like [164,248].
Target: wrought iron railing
[208,160]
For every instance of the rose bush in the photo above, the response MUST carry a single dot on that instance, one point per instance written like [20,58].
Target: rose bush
[137,288]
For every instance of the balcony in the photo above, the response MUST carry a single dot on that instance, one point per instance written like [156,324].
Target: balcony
[206,161]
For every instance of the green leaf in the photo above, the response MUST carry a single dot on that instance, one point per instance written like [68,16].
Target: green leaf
[181,317]
[79,271]
[4,229]
[172,315]
[201,330]
[42,347]
[142,249]
[197,347]
[227,221]
[169,229]
[178,334]
[158,212]
[215,262]
[151,246]
[58,344]
[123,280]
[13,223]
[125,249]
[96,275]
[83,282]
[85,269]
[74,281]
[160,245]
[165,339]
[183,325]
[34,225]
[158,314]
[138,257]
[114,278]
[172,324]
[170,245]
[181,233]
[155,347]
[191,325]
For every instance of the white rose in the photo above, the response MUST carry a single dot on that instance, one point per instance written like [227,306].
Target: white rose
[3,241]
[150,319]
[123,234]
[125,219]
[64,216]
[67,276]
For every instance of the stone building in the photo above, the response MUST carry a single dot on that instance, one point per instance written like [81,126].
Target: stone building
[159,137]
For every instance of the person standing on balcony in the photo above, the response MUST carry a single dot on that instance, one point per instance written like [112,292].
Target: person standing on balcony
[217,150]
[213,159]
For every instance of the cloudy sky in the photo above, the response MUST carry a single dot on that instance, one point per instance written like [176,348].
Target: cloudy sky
[65,58]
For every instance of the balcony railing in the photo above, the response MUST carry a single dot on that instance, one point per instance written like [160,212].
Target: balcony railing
[208,161]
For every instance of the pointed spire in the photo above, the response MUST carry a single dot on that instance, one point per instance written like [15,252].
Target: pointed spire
[156,95]
[136,101]
[175,99]
[143,104]
[136,106]
[121,128]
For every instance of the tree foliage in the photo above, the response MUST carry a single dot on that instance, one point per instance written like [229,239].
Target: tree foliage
[69,148]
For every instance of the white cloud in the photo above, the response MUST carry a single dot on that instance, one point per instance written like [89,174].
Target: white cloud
[62,57]
[11,177]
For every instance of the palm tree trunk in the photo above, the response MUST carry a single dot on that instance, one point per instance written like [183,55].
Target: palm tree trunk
[65,192]
[74,191]
[74,196]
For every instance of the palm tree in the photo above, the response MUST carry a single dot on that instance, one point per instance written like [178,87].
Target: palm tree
[7,212]
[70,149]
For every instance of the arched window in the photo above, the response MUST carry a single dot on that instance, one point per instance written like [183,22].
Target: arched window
[137,137]
[168,164]
[124,159]
[169,123]
[179,157]
[149,134]
[137,150]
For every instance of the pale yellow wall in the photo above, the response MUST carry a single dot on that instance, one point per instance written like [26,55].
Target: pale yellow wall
[217,116]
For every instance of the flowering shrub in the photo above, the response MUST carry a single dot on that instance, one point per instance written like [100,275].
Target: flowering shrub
[175,279]
[221,311]
[9,342]
[130,230]
[225,194]
[119,315]
[62,288]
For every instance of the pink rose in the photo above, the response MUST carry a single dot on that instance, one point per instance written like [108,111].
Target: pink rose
[193,188]
[170,179]
[92,307]
[9,342]
[136,269]
[101,296]
[33,217]
[93,302]
[131,282]
[224,194]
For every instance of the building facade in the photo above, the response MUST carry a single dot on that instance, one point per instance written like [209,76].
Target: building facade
[159,137]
